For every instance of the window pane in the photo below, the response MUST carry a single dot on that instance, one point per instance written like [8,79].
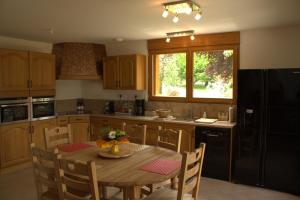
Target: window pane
[170,75]
[212,74]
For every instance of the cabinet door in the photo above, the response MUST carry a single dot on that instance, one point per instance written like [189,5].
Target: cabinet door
[14,146]
[111,73]
[80,132]
[14,73]
[42,74]
[152,132]
[38,131]
[187,137]
[127,66]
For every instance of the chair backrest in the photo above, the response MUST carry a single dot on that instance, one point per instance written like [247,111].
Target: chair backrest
[191,168]
[77,180]
[57,136]
[169,139]
[44,163]
[136,133]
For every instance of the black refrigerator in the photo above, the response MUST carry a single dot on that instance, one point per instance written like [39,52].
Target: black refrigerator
[267,145]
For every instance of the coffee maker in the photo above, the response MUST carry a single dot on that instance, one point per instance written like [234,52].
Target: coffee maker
[140,107]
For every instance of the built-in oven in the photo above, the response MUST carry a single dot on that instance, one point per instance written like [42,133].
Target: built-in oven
[43,108]
[14,110]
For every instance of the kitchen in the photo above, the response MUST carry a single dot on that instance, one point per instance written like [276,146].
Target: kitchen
[85,79]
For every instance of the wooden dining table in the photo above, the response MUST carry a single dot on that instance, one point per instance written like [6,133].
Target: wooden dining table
[126,172]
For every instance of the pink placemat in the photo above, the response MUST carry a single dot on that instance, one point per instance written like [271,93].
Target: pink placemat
[73,147]
[161,166]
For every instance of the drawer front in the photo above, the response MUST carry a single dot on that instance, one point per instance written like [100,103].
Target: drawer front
[62,121]
[79,119]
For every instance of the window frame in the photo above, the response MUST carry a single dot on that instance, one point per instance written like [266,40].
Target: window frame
[234,75]
[217,41]
[152,72]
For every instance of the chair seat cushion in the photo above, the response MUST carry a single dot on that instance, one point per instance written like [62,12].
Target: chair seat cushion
[166,194]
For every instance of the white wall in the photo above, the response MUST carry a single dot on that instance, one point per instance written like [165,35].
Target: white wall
[20,44]
[94,89]
[64,89]
[270,48]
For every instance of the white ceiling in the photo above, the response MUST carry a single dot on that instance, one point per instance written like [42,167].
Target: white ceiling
[103,20]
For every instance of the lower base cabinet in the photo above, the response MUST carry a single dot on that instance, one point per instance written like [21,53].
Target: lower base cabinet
[15,143]
[188,131]
[38,131]
[80,128]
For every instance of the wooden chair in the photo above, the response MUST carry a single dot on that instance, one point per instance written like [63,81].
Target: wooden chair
[169,139]
[77,180]
[136,133]
[43,163]
[57,136]
[189,179]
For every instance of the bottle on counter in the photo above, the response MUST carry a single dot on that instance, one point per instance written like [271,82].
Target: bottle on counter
[230,114]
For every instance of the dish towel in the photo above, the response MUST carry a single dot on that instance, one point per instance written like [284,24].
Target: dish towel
[73,147]
[161,166]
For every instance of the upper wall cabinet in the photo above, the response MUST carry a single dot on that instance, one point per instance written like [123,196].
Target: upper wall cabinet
[79,61]
[14,73]
[42,74]
[24,73]
[126,72]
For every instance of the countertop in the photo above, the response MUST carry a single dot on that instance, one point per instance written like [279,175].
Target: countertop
[186,121]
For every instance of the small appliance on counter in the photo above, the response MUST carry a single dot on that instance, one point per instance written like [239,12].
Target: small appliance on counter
[140,107]
[14,110]
[109,107]
[42,107]
[80,106]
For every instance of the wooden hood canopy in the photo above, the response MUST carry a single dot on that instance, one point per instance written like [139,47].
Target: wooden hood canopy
[79,61]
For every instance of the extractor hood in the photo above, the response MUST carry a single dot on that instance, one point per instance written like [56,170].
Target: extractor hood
[78,61]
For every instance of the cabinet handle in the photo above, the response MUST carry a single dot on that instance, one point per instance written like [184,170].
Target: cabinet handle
[212,135]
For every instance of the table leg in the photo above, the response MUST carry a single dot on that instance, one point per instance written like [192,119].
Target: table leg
[134,192]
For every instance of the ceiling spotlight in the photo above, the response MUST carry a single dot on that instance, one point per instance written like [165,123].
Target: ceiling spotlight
[165,13]
[180,34]
[176,18]
[178,7]
[198,16]
[189,10]
[192,37]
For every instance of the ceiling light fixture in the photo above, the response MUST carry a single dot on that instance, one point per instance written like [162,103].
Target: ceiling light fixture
[181,7]
[198,15]
[179,34]
[176,19]
[165,13]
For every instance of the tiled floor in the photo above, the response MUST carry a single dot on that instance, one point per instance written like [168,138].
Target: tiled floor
[20,186]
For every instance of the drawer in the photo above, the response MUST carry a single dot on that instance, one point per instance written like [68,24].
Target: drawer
[62,121]
[79,119]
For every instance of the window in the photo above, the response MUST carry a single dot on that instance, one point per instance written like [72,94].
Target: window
[170,75]
[202,70]
[213,74]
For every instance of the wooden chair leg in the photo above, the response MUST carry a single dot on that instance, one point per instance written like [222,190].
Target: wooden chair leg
[104,193]
[174,183]
[125,193]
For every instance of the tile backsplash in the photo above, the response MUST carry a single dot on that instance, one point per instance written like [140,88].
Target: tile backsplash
[184,110]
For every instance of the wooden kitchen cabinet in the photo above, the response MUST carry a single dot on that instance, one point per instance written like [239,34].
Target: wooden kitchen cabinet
[111,72]
[24,73]
[15,143]
[127,72]
[152,132]
[38,131]
[14,73]
[187,137]
[99,122]
[80,128]
[42,74]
